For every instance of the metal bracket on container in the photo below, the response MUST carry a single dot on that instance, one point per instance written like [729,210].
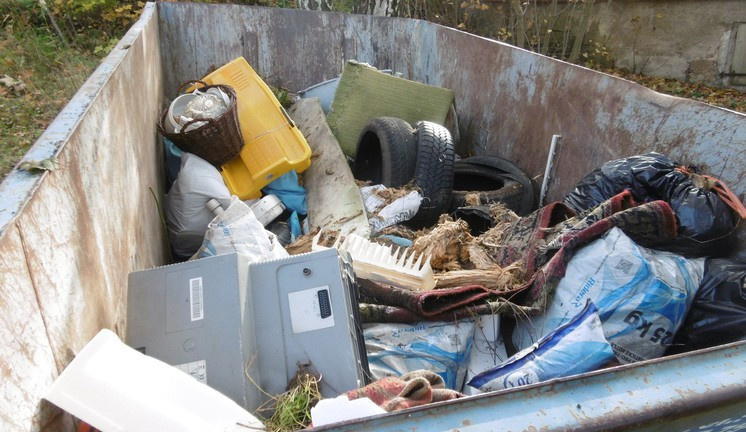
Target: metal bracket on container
[549,166]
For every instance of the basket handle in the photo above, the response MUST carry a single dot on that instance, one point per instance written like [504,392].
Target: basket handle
[190,83]
[187,124]
[162,121]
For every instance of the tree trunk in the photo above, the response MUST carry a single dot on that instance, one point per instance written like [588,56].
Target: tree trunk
[520,23]
[582,29]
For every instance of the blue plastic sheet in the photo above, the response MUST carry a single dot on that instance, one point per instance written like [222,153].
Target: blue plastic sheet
[287,189]
[173,160]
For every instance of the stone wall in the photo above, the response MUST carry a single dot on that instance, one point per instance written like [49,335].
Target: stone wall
[690,40]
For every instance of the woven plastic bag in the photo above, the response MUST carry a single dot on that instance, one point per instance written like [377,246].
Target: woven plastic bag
[238,230]
[440,347]
[642,296]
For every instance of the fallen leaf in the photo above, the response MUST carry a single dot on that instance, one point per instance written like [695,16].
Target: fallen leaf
[35,166]
[15,86]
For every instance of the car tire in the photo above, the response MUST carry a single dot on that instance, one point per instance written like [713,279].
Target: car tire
[491,185]
[433,173]
[386,152]
[499,177]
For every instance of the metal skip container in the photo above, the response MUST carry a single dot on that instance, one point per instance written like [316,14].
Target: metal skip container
[69,238]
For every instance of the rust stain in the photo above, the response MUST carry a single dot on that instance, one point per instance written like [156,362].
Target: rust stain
[32,270]
[69,242]
[529,98]
[91,223]
[690,402]
[26,364]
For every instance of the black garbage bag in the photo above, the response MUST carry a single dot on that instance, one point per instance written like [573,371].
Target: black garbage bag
[718,313]
[707,212]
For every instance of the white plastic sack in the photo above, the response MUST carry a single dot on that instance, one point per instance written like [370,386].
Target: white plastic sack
[398,211]
[402,209]
[328,411]
[642,296]
[238,230]
[395,349]
[371,201]
[576,347]
[186,213]
[487,350]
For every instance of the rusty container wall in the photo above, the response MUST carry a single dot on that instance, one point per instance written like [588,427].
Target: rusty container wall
[509,101]
[69,238]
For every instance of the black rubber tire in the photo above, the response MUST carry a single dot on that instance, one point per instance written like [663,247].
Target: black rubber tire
[508,170]
[492,185]
[386,152]
[478,218]
[433,173]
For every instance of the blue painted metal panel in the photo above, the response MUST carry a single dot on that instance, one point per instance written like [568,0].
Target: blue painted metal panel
[69,238]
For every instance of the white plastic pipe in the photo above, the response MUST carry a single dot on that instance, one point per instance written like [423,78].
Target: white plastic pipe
[548,169]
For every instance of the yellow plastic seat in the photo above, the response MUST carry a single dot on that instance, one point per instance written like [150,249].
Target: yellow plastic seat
[274,145]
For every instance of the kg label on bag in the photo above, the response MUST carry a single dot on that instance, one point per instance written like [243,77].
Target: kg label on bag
[576,347]
[642,296]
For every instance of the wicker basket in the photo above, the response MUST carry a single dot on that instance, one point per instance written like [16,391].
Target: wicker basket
[217,141]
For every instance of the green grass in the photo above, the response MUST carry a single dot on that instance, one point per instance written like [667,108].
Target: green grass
[51,72]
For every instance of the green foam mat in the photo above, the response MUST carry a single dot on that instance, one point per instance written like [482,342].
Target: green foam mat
[365,93]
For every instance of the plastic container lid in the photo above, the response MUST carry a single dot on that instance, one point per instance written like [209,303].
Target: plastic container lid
[268,209]
[113,387]
[176,109]
[214,206]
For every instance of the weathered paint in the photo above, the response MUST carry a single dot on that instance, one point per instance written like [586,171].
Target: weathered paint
[674,394]
[27,365]
[509,101]
[70,237]
[343,210]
